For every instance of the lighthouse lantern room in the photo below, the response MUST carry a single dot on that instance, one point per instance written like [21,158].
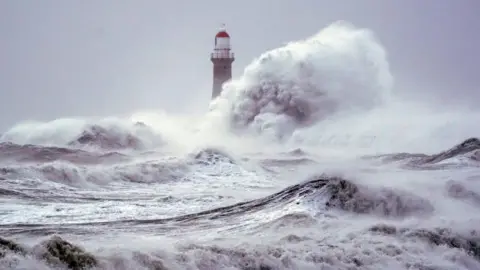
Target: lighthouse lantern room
[222,59]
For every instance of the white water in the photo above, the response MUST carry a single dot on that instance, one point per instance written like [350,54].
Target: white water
[331,95]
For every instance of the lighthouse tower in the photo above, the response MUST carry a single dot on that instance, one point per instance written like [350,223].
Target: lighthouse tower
[222,59]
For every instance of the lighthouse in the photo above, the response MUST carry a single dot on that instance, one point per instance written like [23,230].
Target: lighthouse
[222,59]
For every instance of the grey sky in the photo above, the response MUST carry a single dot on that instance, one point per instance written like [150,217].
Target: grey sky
[84,58]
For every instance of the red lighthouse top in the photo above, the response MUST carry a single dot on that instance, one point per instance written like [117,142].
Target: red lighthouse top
[222,34]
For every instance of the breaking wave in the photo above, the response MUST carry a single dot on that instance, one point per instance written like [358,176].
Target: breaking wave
[11,152]
[340,69]
[106,134]
[466,153]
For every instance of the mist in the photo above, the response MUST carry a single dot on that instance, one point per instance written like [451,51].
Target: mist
[68,59]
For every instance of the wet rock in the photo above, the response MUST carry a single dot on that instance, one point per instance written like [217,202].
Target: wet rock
[59,251]
[10,246]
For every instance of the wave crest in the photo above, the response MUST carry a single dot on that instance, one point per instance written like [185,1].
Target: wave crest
[341,68]
[75,175]
[103,138]
[465,153]
[35,153]
[211,156]
[104,134]
[386,202]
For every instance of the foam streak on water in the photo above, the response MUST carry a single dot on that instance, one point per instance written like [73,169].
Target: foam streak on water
[309,160]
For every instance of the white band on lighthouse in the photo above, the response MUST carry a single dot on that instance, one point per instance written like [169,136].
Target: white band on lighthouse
[223,43]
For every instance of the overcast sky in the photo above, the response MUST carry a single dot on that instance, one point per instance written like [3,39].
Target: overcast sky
[85,58]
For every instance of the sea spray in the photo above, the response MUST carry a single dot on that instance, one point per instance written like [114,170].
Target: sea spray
[340,69]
